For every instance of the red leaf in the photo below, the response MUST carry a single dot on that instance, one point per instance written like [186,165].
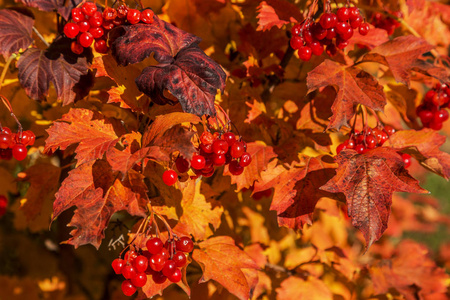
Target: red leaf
[38,68]
[354,86]
[277,13]
[16,30]
[368,182]
[223,262]
[97,194]
[424,146]
[374,38]
[297,188]
[94,136]
[399,55]
[63,7]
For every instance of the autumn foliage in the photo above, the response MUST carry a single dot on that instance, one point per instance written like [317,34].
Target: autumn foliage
[136,111]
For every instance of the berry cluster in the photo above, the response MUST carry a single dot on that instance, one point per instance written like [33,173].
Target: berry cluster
[14,144]
[387,23]
[3,205]
[161,261]
[215,150]
[432,111]
[89,24]
[333,31]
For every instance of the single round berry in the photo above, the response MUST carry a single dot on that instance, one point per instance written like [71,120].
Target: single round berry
[207,138]
[157,262]
[360,148]
[356,22]
[118,265]
[130,256]
[364,29]
[354,13]
[235,168]
[5,139]
[108,25]
[140,263]
[426,116]
[371,142]
[440,116]
[342,27]
[19,152]
[198,162]
[296,30]
[109,14]
[147,16]
[85,39]
[316,48]
[139,280]
[296,42]
[128,288]
[77,15]
[84,26]
[331,33]
[159,277]
[230,138]
[343,14]
[133,16]
[245,160]
[184,244]
[170,177]
[347,34]
[406,159]
[100,46]
[304,53]
[182,165]
[28,138]
[165,253]
[169,268]
[341,43]
[154,245]
[435,125]
[389,130]
[220,146]
[237,149]
[76,48]
[328,20]
[96,32]
[89,8]
[318,31]
[218,160]
[129,271]
[122,11]
[341,147]
[179,258]
[71,30]
[307,36]
[175,276]
[96,20]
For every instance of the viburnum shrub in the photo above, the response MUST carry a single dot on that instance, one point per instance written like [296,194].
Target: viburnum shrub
[223,149]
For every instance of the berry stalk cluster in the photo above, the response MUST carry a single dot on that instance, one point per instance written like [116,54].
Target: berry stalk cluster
[15,144]
[331,32]
[432,112]
[159,260]
[91,25]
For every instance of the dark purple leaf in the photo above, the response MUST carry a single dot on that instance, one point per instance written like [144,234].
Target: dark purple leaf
[63,7]
[16,32]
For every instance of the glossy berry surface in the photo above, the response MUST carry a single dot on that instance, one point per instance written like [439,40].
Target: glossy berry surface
[139,280]
[140,263]
[19,152]
[118,265]
[170,177]
[154,245]
[128,288]
[185,244]
[133,16]
[71,30]
[147,16]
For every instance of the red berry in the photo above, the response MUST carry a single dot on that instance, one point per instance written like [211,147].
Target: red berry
[198,162]
[237,149]
[342,27]
[109,14]
[364,29]
[133,16]
[19,152]
[245,160]
[85,39]
[184,244]
[157,262]
[128,288]
[304,53]
[129,271]
[371,142]
[182,165]
[235,168]
[147,16]
[426,116]
[130,256]
[296,30]
[354,13]
[380,135]
[169,268]
[175,276]
[356,22]
[122,11]
[96,32]
[78,15]
[360,148]
[5,139]
[71,30]
[89,8]
[307,35]
[207,138]
[328,20]
[220,147]
[389,130]
[347,34]
[406,159]
[318,31]
[296,42]
[341,147]
[140,263]
[435,125]
[118,265]
[76,48]
[108,25]
[218,160]
[170,177]
[84,26]
[100,46]
[440,116]
[343,14]
[316,48]
[179,258]
[341,43]
[154,245]
[159,277]
[230,138]
[331,33]
[96,20]
[139,280]
[28,138]
[164,253]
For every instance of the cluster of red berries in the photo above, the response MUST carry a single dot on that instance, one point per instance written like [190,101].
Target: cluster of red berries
[333,31]
[89,24]
[370,138]
[215,150]
[3,205]
[389,24]
[161,261]
[15,144]
[432,111]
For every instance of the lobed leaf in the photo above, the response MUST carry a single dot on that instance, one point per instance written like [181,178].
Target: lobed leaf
[277,13]
[16,32]
[63,7]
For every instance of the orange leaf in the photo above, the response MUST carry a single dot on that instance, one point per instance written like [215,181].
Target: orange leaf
[277,13]
[354,87]
[297,288]
[374,38]
[223,262]
[368,182]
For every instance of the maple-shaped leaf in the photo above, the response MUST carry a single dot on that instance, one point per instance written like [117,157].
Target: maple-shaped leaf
[354,85]
[411,272]
[184,70]
[399,55]
[98,194]
[261,156]
[94,134]
[424,146]
[39,68]
[277,13]
[16,32]
[63,7]
[199,216]
[297,288]
[368,182]
[223,262]
[297,188]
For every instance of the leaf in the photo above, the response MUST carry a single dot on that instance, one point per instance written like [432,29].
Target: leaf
[297,288]
[63,7]
[368,182]
[93,134]
[354,87]
[374,38]
[261,156]
[399,55]
[277,13]
[424,146]
[16,29]
[97,194]
[297,188]
[39,68]
[223,262]
[199,216]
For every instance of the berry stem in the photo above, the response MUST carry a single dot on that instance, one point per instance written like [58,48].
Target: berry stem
[40,36]
[169,229]
[6,67]
[8,105]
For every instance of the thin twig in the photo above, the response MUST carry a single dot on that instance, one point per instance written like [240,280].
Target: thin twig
[40,36]
[5,68]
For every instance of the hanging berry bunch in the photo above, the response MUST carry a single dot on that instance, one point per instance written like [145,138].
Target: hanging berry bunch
[387,23]
[91,25]
[161,261]
[14,144]
[432,112]
[331,31]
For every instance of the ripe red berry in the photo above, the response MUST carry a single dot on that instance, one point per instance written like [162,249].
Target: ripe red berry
[341,147]
[316,48]
[435,125]
[406,159]
[296,30]
[78,15]
[220,147]
[71,30]
[133,16]
[109,14]
[108,25]
[100,46]
[154,245]
[184,244]
[360,148]
[230,138]
[28,138]
[343,14]
[147,16]
[440,116]
[89,8]
[207,138]
[159,277]
[356,22]
[19,152]
[122,11]
[96,20]
[140,263]
[347,34]
[128,288]
[218,160]
[328,20]
[371,142]
[179,258]
[296,42]
[304,53]
[169,268]
[170,177]
[237,149]
[331,34]
[85,39]
[198,162]
[157,262]
[76,48]
[83,26]
[245,159]
[182,165]
[128,271]
[364,29]
[139,280]
[96,32]
[354,13]
[5,139]
[389,129]
[130,256]
[118,265]
[175,276]
[426,116]
[341,43]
